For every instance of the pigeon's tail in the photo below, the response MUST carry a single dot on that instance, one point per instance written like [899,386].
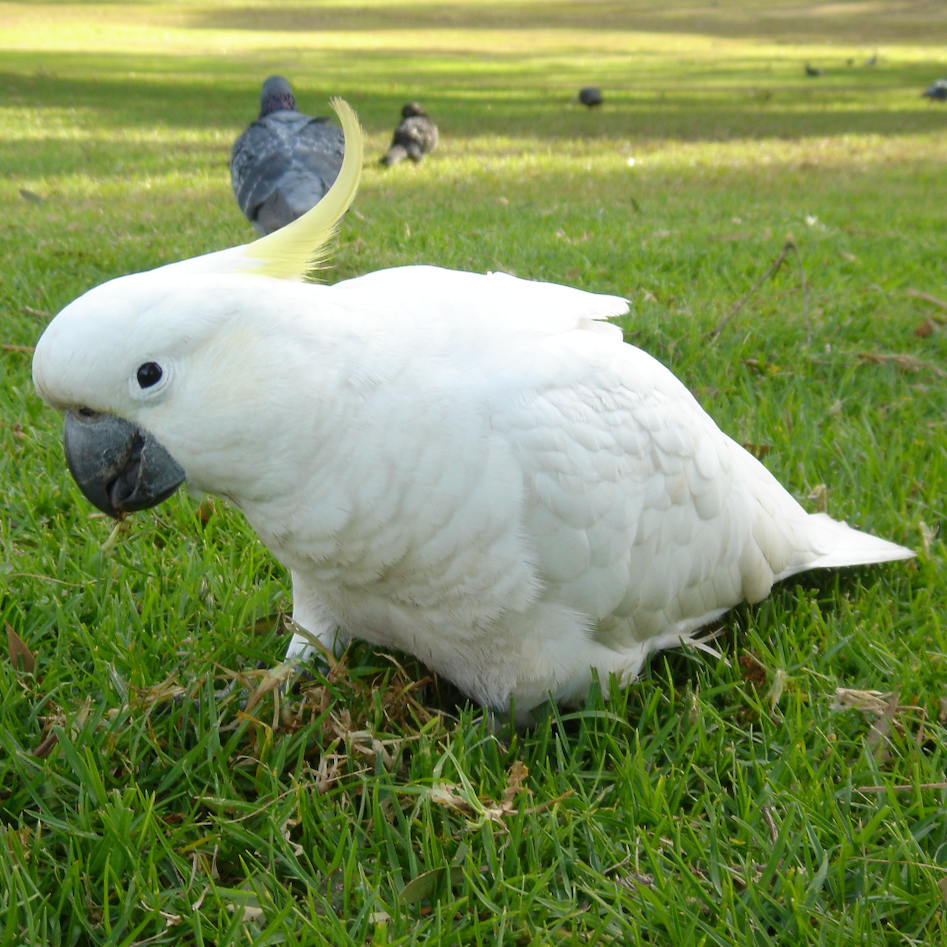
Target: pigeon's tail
[274,213]
[849,547]
[394,154]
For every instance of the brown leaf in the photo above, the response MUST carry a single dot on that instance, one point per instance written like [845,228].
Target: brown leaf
[46,746]
[514,783]
[20,656]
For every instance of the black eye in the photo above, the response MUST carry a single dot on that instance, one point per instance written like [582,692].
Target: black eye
[149,374]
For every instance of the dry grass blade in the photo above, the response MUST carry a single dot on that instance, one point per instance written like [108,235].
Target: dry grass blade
[907,363]
[790,246]
[933,300]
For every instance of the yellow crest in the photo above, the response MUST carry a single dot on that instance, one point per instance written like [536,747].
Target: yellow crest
[293,251]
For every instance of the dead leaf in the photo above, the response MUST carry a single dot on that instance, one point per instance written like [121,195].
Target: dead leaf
[20,656]
[445,794]
[847,698]
[885,708]
[942,884]
[514,781]
[907,363]
[878,742]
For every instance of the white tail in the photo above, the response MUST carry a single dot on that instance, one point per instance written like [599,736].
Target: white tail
[850,547]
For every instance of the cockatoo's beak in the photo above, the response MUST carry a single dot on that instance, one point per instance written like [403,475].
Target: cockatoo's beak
[119,467]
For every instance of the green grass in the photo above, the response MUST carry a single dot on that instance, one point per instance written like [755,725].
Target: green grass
[762,798]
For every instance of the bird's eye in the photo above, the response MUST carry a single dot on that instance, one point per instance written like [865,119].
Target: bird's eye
[149,374]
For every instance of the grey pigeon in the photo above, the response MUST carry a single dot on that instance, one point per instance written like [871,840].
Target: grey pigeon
[812,71]
[938,91]
[284,163]
[590,96]
[415,136]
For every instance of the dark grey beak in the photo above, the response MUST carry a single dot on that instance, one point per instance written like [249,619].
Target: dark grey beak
[119,467]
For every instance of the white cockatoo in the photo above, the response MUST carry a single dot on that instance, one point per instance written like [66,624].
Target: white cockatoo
[475,469]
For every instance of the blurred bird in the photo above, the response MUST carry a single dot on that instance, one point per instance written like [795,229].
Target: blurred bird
[938,91]
[872,60]
[415,136]
[590,96]
[284,163]
[812,71]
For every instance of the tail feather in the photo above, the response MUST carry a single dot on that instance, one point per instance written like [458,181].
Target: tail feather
[846,546]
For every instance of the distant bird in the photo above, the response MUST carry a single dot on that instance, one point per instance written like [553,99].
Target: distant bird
[938,91]
[284,163]
[812,71]
[590,96]
[415,136]
[872,60]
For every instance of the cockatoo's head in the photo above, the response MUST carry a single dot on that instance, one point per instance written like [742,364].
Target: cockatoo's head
[132,362]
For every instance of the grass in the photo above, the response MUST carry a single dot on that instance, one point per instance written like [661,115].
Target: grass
[792,792]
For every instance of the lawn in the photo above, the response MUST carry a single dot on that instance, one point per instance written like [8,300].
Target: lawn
[792,790]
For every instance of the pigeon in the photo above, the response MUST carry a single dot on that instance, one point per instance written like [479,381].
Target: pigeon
[812,71]
[472,468]
[284,163]
[590,96]
[937,92]
[415,136]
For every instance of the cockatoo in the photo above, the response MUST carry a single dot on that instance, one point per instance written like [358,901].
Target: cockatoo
[285,162]
[415,136]
[475,469]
